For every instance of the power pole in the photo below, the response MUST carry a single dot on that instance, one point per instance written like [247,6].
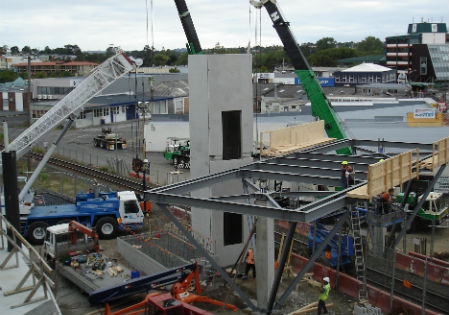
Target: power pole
[29,112]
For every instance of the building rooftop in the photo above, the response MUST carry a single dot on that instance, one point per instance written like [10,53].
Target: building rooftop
[367,67]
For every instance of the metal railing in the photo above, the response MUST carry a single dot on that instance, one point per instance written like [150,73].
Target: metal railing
[39,270]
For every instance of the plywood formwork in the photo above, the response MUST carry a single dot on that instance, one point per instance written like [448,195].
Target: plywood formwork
[440,155]
[387,174]
[286,140]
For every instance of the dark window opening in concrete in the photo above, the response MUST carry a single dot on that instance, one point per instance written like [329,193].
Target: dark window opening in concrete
[232,228]
[232,135]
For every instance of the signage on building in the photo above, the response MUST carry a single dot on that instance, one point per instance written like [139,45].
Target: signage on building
[323,81]
[424,113]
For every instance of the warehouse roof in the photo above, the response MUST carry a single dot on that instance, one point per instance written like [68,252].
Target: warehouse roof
[367,67]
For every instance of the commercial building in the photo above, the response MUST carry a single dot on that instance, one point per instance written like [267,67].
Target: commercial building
[123,100]
[422,54]
[364,73]
[76,68]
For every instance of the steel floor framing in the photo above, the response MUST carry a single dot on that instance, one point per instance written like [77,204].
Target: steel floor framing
[319,165]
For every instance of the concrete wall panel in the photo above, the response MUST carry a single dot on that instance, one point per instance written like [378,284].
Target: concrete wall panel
[218,83]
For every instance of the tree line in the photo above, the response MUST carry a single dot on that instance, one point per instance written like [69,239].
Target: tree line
[325,52]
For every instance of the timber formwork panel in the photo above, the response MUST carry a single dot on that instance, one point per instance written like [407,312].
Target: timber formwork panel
[286,140]
[388,174]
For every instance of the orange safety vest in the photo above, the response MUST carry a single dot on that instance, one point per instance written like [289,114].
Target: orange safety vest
[250,257]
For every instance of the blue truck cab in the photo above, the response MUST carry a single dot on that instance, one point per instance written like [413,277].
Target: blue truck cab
[108,212]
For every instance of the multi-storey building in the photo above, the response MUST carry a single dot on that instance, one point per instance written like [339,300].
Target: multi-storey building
[422,54]
[77,68]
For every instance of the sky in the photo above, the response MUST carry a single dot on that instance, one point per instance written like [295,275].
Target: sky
[98,24]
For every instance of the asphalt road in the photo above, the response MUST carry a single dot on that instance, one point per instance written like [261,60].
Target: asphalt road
[77,144]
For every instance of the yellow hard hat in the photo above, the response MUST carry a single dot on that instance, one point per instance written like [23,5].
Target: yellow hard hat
[344,163]
[381,160]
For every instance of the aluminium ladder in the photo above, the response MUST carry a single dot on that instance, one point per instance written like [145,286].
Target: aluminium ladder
[360,265]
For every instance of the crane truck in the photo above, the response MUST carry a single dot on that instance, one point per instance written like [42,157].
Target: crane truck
[108,212]
[321,106]
[65,111]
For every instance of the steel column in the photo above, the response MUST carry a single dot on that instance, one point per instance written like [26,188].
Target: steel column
[280,271]
[312,259]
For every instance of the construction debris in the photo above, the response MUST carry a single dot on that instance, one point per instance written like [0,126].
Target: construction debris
[312,307]
[366,309]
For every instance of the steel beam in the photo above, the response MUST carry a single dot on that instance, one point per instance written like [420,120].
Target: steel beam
[312,259]
[219,205]
[204,252]
[323,162]
[301,170]
[292,177]
[394,144]
[198,183]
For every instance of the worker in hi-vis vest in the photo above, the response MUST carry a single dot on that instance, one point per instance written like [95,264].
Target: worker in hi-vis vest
[250,264]
[324,293]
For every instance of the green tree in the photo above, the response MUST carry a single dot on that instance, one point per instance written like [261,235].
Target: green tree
[7,76]
[370,44]
[14,50]
[160,59]
[182,59]
[330,57]
[26,50]
[307,49]
[325,43]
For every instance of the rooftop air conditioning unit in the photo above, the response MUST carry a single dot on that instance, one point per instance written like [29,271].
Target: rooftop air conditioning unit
[39,97]
[50,97]
[44,97]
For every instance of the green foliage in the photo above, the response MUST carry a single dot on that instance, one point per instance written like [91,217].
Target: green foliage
[26,50]
[7,76]
[40,75]
[329,57]
[370,45]
[325,43]
[37,150]
[104,169]
[14,50]
[43,176]
[161,59]
[173,70]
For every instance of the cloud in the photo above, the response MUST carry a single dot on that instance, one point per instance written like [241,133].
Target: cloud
[94,25]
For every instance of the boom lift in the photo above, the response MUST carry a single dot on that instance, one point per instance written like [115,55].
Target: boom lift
[321,106]
[176,302]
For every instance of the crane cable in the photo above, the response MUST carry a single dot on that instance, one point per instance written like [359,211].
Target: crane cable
[257,42]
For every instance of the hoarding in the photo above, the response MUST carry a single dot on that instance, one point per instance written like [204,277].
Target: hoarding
[426,113]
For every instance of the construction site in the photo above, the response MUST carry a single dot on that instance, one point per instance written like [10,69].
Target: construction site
[357,225]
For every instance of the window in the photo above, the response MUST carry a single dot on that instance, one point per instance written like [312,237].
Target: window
[232,138]
[82,115]
[131,206]
[98,112]
[232,228]
[106,112]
